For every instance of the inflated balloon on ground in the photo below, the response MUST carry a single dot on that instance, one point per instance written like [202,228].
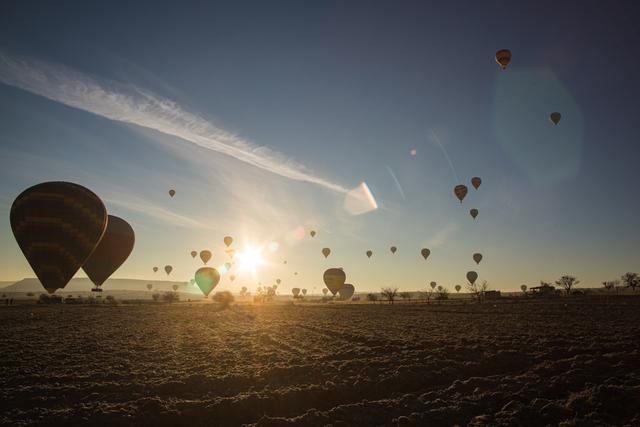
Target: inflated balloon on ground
[57,226]
[346,291]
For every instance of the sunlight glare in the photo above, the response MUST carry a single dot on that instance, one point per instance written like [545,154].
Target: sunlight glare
[249,259]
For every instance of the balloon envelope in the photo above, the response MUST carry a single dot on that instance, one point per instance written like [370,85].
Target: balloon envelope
[149,286]
[167,269]
[369,253]
[472,276]
[393,249]
[205,256]
[476,181]
[433,285]
[457,288]
[172,193]
[57,225]
[278,281]
[334,278]
[228,240]
[473,213]
[155,269]
[207,278]
[477,257]
[460,191]
[555,117]
[193,254]
[425,253]
[503,56]
[313,233]
[113,249]
[295,291]
[326,252]
[346,291]
[232,277]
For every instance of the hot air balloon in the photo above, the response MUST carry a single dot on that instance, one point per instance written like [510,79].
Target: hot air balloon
[295,292]
[231,253]
[457,288]
[193,254]
[228,240]
[460,191]
[326,252]
[205,256]
[476,181]
[232,277]
[285,261]
[369,253]
[346,291]
[523,288]
[555,117]
[433,285]
[313,233]
[167,269]
[57,225]
[243,290]
[275,287]
[295,273]
[324,291]
[503,56]
[472,276]
[278,281]
[227,266]
[172,193]
[155,269]
[112,250]
[207,278]
[304,291]
[334,278]
[174,287]
[393,249]
[149,286]
[473,213]
[477,257]
[425,253]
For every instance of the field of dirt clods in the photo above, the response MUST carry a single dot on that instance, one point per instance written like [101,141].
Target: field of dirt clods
[531,364]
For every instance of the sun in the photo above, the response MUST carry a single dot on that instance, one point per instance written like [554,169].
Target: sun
[249,259]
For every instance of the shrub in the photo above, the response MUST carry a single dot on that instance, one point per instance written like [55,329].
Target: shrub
[389,294]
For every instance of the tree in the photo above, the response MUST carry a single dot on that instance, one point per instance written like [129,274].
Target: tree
[442,293]
[390,294]
[405,296]
[372,297]
[523,288]
[478,289]
[631,280]
[609,285]
[567,282]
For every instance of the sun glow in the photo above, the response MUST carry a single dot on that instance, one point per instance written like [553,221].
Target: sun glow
[249,259]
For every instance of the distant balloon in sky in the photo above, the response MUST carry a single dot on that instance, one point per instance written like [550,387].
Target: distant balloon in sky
[460,191]
[112,250]
[228,240]
[360,200]
[393,249]
[324,291]
[295,273]
[304,291]
[476,181]
[168,269]
[285,261]
[473,213]
[555,117]
[174,287]
[149,286]
[425,253]
[57,225]
[326,252]
[477,257]
[231,252]
[523,288]
[205,256]
[369,253]
[433,285]
[232,277]
[457,288]
[278,281]
[334,278]
[227,266]
[346,291]
[295,292]
[472,276]
[312,233]
[503,56]
[193,254]
[172,193]
[155,269]
[207,278]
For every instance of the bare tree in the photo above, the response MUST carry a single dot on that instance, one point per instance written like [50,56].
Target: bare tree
[609,285]
[631,280]
[567,282]
[406,296]
[389,294]
[372,297]
[478,289]
[442,293]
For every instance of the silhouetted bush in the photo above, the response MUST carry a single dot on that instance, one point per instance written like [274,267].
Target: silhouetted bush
[170,297]
[389,294]
[224,298]
[442,293]
[49,299]
[110,299]
[478,289]
[372,297]
[567,282]
[155,296]
[631,280]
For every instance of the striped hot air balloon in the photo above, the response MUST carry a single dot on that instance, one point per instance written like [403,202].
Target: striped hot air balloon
[57,225]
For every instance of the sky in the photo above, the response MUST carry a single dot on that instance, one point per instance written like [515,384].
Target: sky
[265,116]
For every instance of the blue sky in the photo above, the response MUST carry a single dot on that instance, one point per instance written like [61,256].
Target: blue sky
[291,103]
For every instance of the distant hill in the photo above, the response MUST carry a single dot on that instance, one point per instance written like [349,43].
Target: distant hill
[84,284]
[3,284]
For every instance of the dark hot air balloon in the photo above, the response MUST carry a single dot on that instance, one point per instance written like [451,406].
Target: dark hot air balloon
[346,291]
[155,269]
[472,276]
[313,233]
[425,253]
[304,291]
[172,193]
[473,213]
[369,253]
[523,288]
[207,278]
[112,250]
[393,249]
[174,287]
[324,291]
[555,117]
[326,252]
[460,191]
[205,256]
[57,225]
[334,278]
[503,56]
[433,285]
[149,286]
[457,288]
[168,269]
[295,292]
[476,181]
[477,257]
[193,254]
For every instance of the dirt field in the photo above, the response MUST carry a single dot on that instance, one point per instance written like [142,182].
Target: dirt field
[187,364]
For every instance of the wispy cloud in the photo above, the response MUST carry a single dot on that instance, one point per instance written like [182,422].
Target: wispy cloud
[130,104]
[153,211]
[442,236]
